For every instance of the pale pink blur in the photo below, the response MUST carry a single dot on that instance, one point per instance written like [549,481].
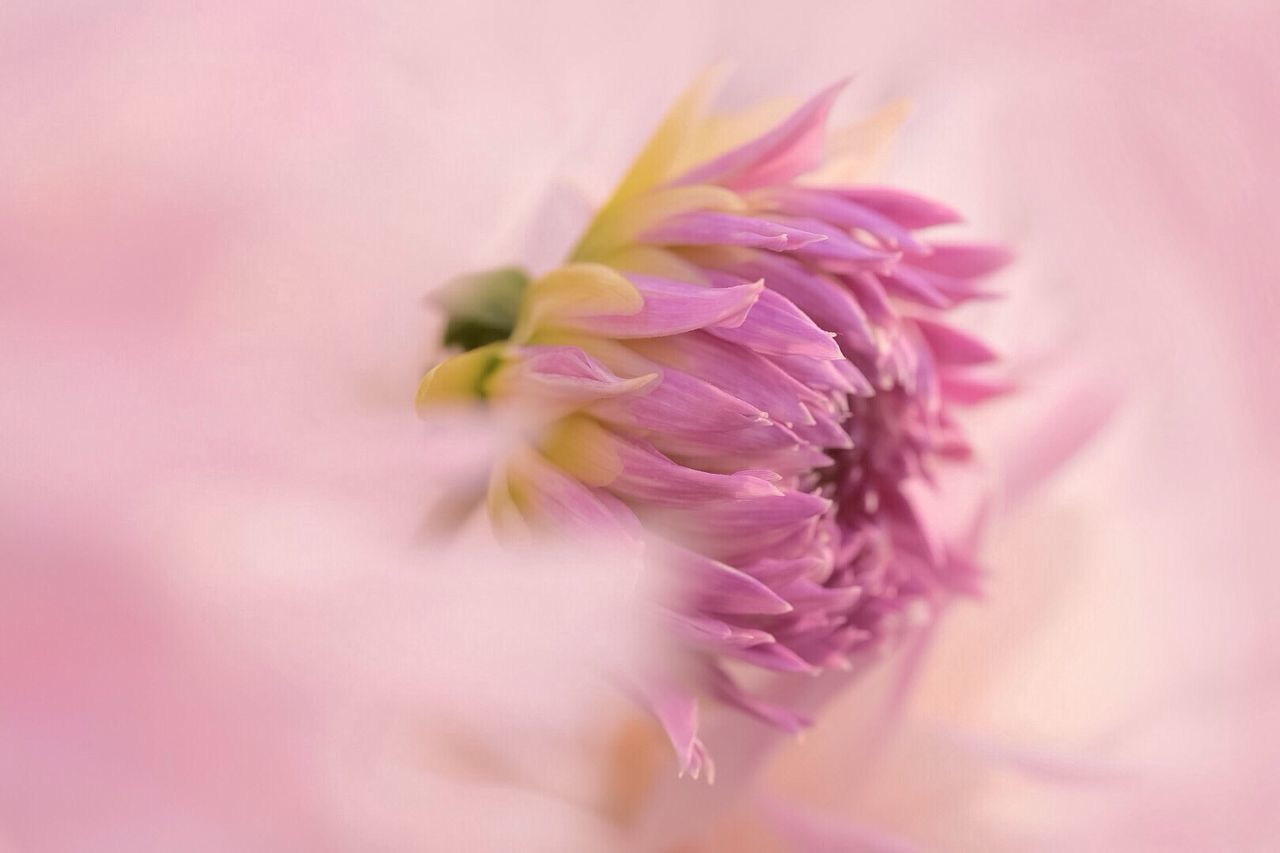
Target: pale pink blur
[218,627]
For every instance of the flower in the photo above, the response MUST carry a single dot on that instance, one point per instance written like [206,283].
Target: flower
[750,364]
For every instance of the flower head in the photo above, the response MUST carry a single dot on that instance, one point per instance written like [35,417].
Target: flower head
[749,364]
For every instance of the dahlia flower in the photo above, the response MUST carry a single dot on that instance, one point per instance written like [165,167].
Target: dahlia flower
[745,365]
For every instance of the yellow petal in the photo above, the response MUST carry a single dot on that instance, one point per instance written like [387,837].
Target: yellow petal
[650,260]
[664,149]
[506,498]
[575,290]
[460,379]
[580,447]
[619,226]
[856,151]
[718,134]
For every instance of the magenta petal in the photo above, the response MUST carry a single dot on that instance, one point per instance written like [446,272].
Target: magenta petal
[951,346]
[789,462]
[711,228]
[777,327]
[907,209]
[719,587]
[677,711]
[778,572]
[743,517]
[916,286]
[777,716]
[672,307]
[823,299]
[825,431]
[806,593]
[937,289]
[829,206]
[714,633]
[568,375]
[822,374]
[739,372]
[965,260]
[790,149]
[649,476]
[970,389]
[870,293]
[840,248]
[678,402]
[774,656]
[567,502]
[708,446]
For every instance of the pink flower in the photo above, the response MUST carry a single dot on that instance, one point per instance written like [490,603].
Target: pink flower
[220,628]
[750,357]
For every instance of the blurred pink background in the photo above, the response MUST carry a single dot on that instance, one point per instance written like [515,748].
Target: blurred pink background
[217,224]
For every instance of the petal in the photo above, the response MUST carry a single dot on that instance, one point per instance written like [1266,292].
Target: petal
[965,260]
[543,490]
[728,691]
[618,227]
[680,403]
[775,656]
[839,248]
[907,209]
[569,295]
[829,304]
[778,572]
[562,375]
[829,206]
[970,389]
[462,378]
[635,470]
[825,431]
[743,524]
[711,632]
[790,149]
[672,307]
[705,447]
[739,372]
[916,286]
[777,327]
[677,711]
[716,586]
[674,133]
[711,228]
[822,374]
[951,346]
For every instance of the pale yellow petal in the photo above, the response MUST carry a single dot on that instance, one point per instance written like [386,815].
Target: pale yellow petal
[581,447]
[665,147]
[504,500]
[575,290]
[460,379]
[651,260]
[620,225]
[723,132]
[856,151]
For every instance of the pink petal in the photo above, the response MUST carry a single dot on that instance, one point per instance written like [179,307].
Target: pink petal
[679,402]
[951,346]
[649,476]
[829,206]
[719,587]
[907,209]
[671,308]
[777,327]
[712,228]
[965,260]
[740,373]
[790,149]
